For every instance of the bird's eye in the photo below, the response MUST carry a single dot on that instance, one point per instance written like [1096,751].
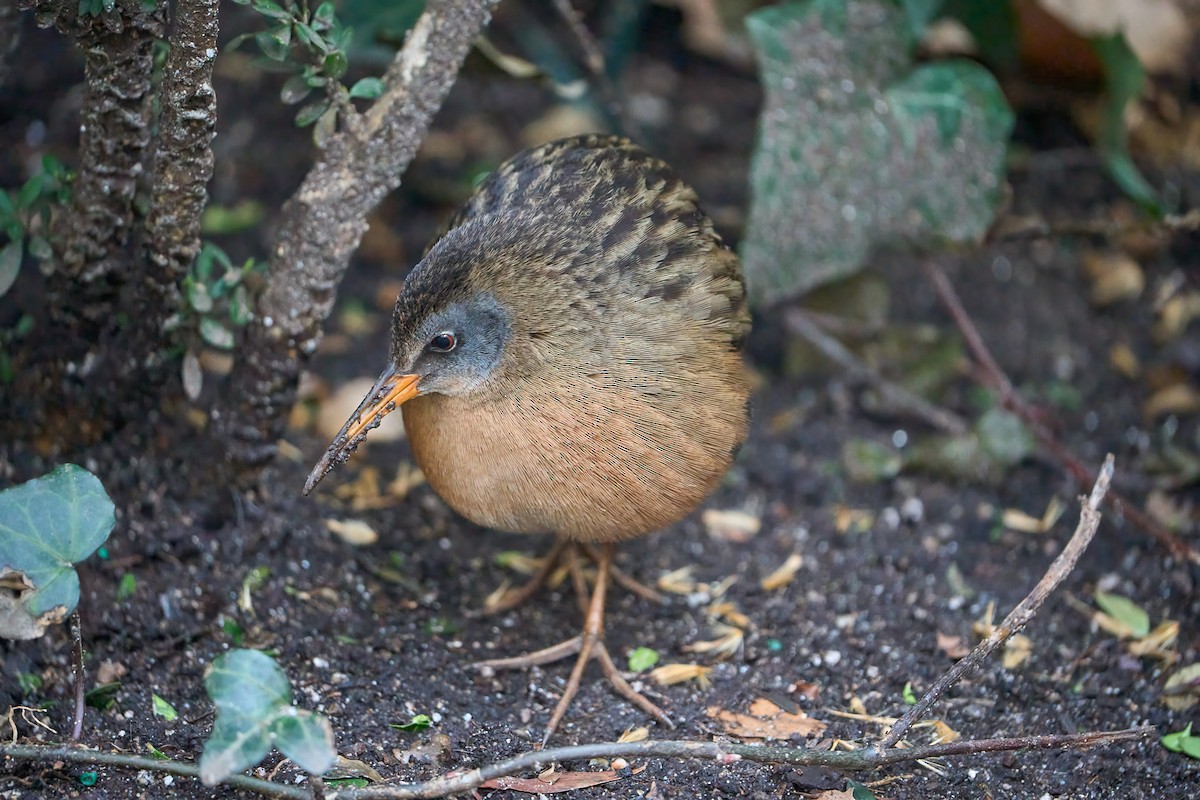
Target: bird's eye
[443,342]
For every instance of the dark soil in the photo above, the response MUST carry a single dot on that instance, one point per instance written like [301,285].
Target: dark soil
[372,635]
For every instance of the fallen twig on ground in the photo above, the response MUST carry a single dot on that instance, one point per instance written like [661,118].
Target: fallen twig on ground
[1012,400]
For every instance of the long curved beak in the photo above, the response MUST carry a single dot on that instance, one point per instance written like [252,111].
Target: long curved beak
[389,393]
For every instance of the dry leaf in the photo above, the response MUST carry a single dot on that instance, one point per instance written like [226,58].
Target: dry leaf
[110,671]
[729,640]
[562,781]
[1158,643]
[679,581]
[1017,651]
[1182,689]
[353,531]
[634,735]
[783,574]
[765,721]
[852,520]
[731,525]
[671,674]
[353,768]
[943,732]
[953,646]
[1175,314]
[1115,277]
[1124,361]
[1178,398]
[727,610]
[1017,520]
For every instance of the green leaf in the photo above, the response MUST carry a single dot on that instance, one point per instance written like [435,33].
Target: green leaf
[1124,79]
[868,461]
[127,587]
[164,709]
[46,526]
[198,297]
[1182,742]
[419,722]
[275,42]
[1125,611]
[239,306]
[910,697]
[272,10]
[642,659]
[336,64]
[858,148]
[254,711]
[103,695]
[31,191]
[324,17]
[39,248]
[294,90]
[1003,437]
[10,264]
[8,210]
[367,88]
[311,113]
[858,791]
[216,334]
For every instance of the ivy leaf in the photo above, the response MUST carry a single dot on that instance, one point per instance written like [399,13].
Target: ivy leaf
[1124,79]
[46,526]
[255,713]
[858,148]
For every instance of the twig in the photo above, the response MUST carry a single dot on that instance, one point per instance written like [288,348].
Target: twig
[1014,402]
[593,59]
[1018,618]
[464,781]
[1017,229]
[802,324]
[77,659]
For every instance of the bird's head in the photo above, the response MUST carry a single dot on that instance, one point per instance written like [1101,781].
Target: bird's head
[451,329]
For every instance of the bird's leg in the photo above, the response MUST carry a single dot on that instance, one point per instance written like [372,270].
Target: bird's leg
[515,597]
[625,580]
[588,645]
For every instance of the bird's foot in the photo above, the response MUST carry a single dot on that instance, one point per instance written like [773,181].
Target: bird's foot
[586,646]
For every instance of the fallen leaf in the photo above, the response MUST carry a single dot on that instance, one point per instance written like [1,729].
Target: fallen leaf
[1017,651]
[1124,360]
[1182,689]
[729,640]
[353,531]
[353,768]
[728,611]
[943,732]
[765,721]
[783,574]
[634,735]
[561,781]
[678,581]
[852,520]
[1178,398]
[1017,520]
[671,674]
[1158,643]
[1114,276]
[731,525]
[952,646]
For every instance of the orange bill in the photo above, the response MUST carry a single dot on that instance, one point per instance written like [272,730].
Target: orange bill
[389,393]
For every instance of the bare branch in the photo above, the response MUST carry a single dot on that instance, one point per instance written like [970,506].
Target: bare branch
[1018,618]
[459,782]
[1013,401]
[325,219]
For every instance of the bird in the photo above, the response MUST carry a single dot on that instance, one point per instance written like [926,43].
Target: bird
[567,355]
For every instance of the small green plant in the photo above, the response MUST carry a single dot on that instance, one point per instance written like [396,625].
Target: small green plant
[25,217]
[1183,741]
[313,45]
[254,714]
[216,292]
[419,722]
[642,659]
[47,525]
[163,709]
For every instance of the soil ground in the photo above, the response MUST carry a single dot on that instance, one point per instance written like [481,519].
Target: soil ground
[371,635]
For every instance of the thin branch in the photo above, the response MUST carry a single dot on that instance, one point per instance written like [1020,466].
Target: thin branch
[77,663]
[593,59]
[1016,229]
[802,324]
[324,221]
[1018,618]
[1012,400]
[458,782]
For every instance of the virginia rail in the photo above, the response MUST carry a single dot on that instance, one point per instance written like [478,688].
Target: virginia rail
[568,358]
